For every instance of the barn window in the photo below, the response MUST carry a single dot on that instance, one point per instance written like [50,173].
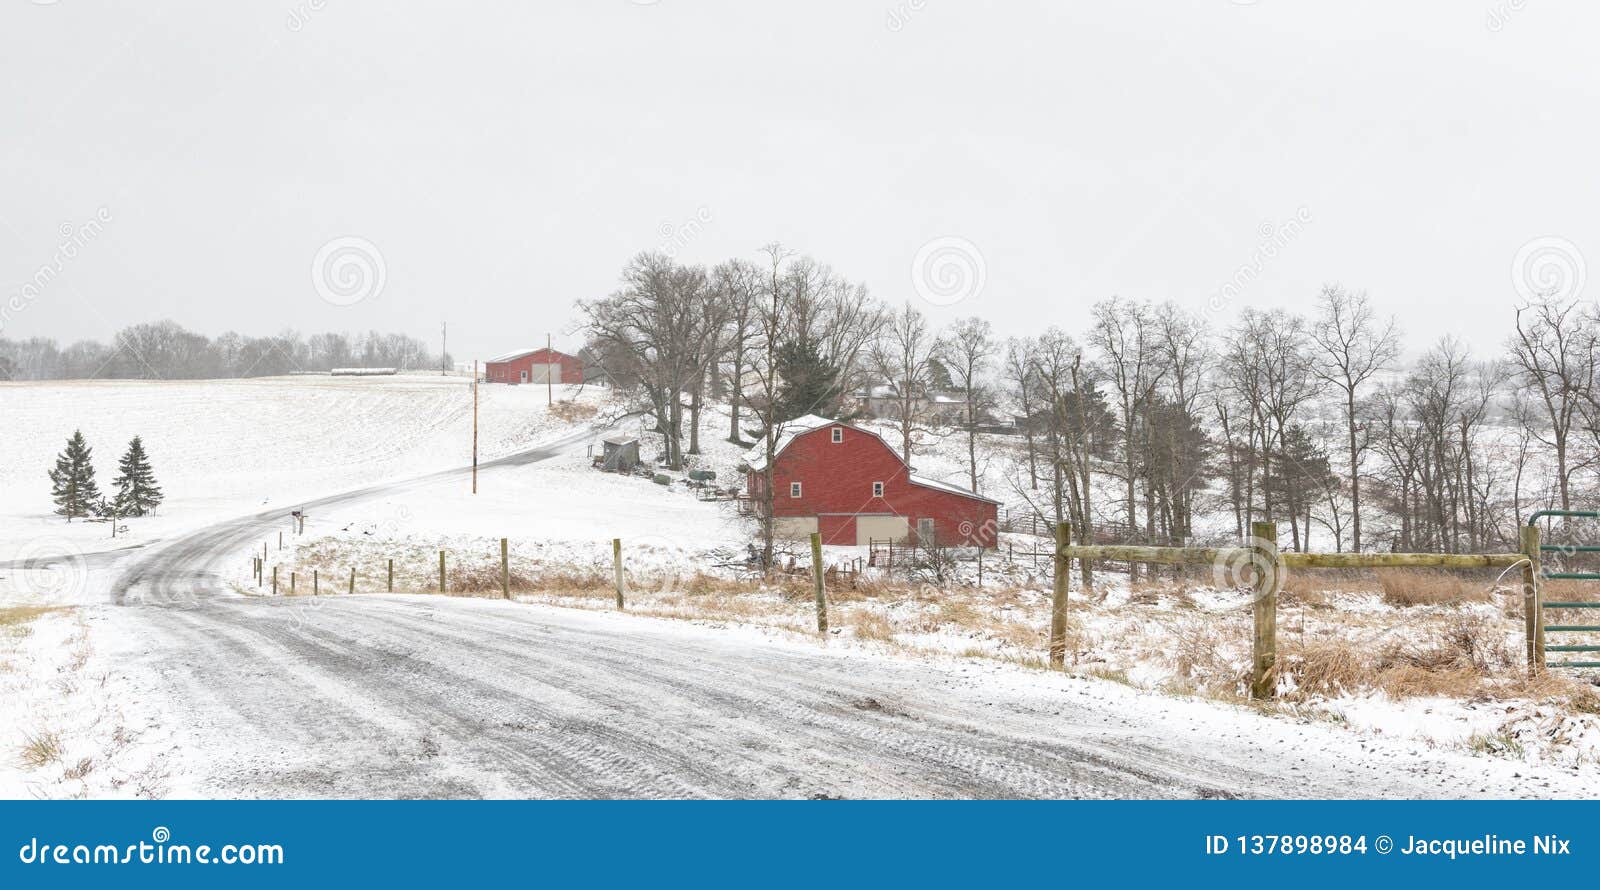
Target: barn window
[794,489]
[877,489]
[838,434]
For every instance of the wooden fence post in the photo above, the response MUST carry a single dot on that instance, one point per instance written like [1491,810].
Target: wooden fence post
[1058,598]
[291,581]
[616,561]
[316,585]
[352,580]
[505,569]
[274,580]
[1267,579]
[1532,601]
[816,580]
[391,574]
[441,571]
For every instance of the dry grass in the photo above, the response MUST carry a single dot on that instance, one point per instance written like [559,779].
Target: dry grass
[14,620]
[1430,587]
[870,625]
[1496,744]
[475,580]
[570,411]
[40,749]
[1326,667]
[1583,700]
[1335,637]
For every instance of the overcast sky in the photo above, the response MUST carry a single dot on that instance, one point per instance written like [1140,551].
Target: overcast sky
[504,160]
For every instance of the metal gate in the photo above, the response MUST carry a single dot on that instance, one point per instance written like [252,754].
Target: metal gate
[1541,604]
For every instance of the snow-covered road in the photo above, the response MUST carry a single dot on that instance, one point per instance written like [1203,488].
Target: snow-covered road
[429,696]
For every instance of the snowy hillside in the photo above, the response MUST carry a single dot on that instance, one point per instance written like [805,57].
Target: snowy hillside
[228,447]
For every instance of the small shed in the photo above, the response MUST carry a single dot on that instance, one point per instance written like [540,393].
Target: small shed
[620,454]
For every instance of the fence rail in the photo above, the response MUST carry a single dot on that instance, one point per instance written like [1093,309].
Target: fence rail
[1265,565]
[1202,555]
[1262,565]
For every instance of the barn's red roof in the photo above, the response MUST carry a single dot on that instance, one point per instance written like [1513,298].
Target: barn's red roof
[512,356]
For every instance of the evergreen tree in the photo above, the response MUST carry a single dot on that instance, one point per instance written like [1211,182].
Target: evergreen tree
[137,492]
[810,382]
[72,481]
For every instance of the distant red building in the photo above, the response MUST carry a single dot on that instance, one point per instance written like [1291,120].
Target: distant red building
[534,366]
[848,484]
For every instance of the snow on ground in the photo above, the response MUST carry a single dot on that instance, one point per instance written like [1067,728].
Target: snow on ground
[73,721]
[226,448]
[1182,638]
[223,448]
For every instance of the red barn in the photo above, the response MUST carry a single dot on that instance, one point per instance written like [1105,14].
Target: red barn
[534,366]
[848,484]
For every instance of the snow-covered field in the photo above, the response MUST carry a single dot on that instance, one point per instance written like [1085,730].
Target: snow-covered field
[223,448]
[1445,675]
[1436,677]
[75,724]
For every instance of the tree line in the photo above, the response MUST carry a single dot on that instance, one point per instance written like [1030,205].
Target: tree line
[165,350]
[1152,416]
[1314,421]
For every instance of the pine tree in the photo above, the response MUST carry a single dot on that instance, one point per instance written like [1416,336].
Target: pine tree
[810,381]
[137,492]
[72,481]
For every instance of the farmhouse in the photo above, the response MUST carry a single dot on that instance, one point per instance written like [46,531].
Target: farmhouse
[534,366]
[848,484]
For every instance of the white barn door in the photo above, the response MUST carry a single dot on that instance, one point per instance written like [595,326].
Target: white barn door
[550,373]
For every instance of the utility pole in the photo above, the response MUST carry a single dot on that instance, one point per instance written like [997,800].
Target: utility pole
[549,385]
[444,350]
[474,426]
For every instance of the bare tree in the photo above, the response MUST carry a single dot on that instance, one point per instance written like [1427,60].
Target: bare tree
[1018,366]
[903,355]
[1177,447]
[1353,346]
[966,350]
[1123,336]
[771,321]
[661,325]
[739,284]
[1268,379]
[1553,354]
